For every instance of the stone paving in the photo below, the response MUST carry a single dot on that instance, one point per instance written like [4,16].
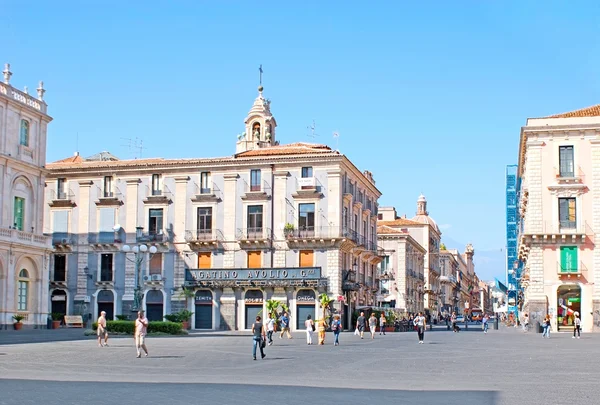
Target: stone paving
[498,368]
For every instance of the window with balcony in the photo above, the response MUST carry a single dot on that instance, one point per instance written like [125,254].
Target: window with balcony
[204,221]
[108,187]
[355,224]
[566,213]
[61,193]
[60,268]
[19,213]
[155,266]
[24,138]
[345,218]
[307,172]
[205,183]
[255,219]
[106,267]
[155,221]
[156,185]
[568,259]
[306,217]
[566,161]
[23,291]
[106,232]
[255,180]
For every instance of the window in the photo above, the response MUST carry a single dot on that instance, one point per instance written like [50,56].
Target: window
[565,158]
[345,218]
[60,268]
[355,228]
[106,267]
[155,224]
[155,266]
[205,183]
[255,180]
[307,172]
[307,258]
[254,259]
[255,218]
[566,213]
[204,221]
[568,259]
[156,188]
[306,219]
[108,188]
[106,232]
[204,260]
[60,189]
[24,139]
[19,213]
[365,233]
[380,217]
[23,290]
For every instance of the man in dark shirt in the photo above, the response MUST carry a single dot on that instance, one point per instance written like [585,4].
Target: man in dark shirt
[361,324]
[258,335]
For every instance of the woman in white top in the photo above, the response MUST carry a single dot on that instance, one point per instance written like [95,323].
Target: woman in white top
[577,326]
[270,324]
[372,325]
[309,329]
[420,323]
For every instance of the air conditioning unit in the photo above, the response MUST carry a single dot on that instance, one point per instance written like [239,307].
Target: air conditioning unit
[64,241]
[146,278]
[156,277]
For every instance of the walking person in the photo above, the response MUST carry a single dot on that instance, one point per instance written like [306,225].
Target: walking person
[546,325]
[102,331]
[525,322]
[361,324]
[577,326]
[270,328]
[454,325]
[382,321]
[372,325]
[285,326]
[141,328]
[336,327]
[309,325]
[420,323]
[484,323]
[258,337]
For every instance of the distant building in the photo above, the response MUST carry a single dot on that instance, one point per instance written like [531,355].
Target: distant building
[24,250]
[513,268]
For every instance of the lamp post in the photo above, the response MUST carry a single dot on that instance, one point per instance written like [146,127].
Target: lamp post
[139,250]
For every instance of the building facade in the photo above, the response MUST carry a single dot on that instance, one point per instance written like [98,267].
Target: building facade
[272,222]
[402,267]
[513,265]
[559,196]
[449,285]
[24,250]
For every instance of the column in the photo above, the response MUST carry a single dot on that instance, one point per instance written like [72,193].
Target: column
[227,309]
[229,228]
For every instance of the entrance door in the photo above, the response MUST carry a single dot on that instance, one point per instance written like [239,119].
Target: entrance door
[59,302]
[569,302]
[204,310]
[305,305]
[106,304]
[154,305]
[253,300]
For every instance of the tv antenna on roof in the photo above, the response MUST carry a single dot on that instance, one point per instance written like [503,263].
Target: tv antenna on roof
[311,128]
[136,147]
[336,136]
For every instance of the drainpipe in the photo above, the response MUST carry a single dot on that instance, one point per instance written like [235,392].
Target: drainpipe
[272,213]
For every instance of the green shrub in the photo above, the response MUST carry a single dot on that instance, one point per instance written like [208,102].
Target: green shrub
[128,327]
[57,316]
[122,317]
[173,317]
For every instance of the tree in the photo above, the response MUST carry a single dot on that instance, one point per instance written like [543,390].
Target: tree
[325,305]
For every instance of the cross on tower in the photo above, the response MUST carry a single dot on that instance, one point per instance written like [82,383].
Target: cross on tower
[260,72]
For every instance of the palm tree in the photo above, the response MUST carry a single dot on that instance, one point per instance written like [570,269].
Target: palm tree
[325,303]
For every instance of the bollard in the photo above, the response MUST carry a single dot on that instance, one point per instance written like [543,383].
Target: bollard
[496,323]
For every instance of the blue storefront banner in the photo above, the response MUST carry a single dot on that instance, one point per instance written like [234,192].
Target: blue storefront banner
[263,274]
[501,286]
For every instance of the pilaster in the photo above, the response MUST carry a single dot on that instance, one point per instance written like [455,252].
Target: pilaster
[131,210]
[229,204]
[534,218]
[181,197]
[279,206]
[228,310]
[83,231]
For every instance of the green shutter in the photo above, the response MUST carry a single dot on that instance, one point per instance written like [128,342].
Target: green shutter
[568,259]
[18,211]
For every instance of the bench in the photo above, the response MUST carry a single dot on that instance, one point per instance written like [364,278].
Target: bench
[73,321]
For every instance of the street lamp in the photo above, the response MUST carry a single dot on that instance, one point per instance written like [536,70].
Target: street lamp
[139,250]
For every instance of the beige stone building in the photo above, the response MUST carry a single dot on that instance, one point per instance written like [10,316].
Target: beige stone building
[559,197]
[24,250]
[284,222]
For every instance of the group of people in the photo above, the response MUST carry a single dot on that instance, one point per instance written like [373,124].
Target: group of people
[361,325]
[140,331]
[547,325]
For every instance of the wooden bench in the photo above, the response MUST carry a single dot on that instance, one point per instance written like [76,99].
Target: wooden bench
[73,321]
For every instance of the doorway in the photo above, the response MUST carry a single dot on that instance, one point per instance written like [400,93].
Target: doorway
[305,305]
[154,305]
[204,310]
[568,302]
[106,303]
[253,300]
[59,303]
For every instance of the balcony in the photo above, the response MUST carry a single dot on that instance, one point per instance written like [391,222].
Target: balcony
[570,271]
[257,192]
[572,177]
[330,236]
[9,235]
[307,189]
[159,236]
[154,280]
[254,237]
[63,241]
[555,232]
[62,199]
[204,238]
[448,280]
[104,239]
[158,197]
[207,194]
[105,278]
[108,199]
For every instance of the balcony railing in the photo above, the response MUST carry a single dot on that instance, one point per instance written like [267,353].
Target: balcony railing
[63,238]
[156,236]
[16,236]
[203,235]
[570,270]
[257,233]
[565,227]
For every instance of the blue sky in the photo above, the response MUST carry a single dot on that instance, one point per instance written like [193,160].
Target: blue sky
[429,96]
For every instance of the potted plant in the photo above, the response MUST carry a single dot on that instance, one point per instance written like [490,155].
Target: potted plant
[184,316]
[56,318]
[288,230]
[18,318]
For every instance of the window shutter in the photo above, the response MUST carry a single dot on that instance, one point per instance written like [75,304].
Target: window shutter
[61,221]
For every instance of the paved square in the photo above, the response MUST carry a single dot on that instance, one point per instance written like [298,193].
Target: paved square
[500,368]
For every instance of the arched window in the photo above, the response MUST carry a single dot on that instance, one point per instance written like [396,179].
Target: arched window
[24,133]
[23,289]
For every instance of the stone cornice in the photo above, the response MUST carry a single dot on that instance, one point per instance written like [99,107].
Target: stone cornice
[133,181]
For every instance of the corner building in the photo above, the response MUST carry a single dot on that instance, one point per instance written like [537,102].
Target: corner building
[284,222]
[24,250]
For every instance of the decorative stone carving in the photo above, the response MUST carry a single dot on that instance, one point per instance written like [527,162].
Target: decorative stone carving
[7,73]
[41,91]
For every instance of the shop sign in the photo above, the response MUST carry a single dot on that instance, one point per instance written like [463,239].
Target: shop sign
[253,300]
[264,274]
[305,298]
[203,298]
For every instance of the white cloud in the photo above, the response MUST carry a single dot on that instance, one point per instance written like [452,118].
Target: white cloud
[444,227]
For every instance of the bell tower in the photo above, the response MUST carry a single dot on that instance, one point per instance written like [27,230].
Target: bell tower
[422,205]
[260,126]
